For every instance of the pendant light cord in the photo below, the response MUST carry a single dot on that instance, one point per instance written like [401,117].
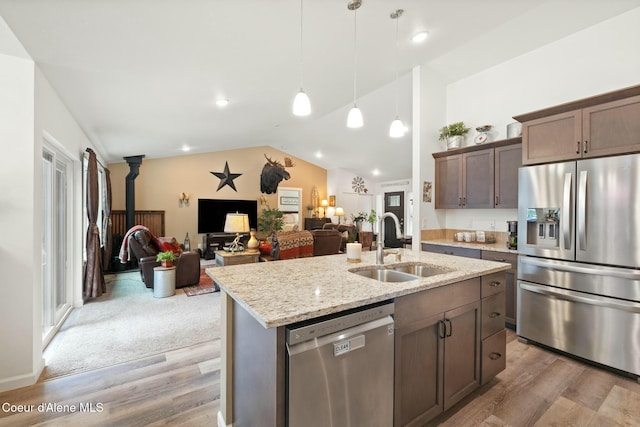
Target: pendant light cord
[397,86]
[301,49]
[355,55]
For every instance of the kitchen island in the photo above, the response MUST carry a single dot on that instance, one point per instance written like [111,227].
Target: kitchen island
[260,300]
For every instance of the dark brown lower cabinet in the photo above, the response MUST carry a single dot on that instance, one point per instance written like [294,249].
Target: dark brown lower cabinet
[437,354]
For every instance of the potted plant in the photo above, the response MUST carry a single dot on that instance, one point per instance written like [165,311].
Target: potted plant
[453,134]
[165,258]
[269,222]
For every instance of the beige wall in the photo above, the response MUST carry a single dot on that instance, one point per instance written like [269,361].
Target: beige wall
[161,181]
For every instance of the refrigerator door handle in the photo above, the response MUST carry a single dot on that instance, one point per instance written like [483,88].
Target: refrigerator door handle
[620,273]
[582,298]
[582,210]
[566,210]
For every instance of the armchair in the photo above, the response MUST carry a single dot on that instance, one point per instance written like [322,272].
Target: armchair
[145,248]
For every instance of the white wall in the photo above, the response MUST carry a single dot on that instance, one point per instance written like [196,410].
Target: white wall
[19,324]
[339,184]
[599,59]
[29,108]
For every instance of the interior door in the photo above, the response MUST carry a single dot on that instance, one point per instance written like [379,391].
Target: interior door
[393,202]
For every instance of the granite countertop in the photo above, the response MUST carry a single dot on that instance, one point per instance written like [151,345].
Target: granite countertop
[280,293]
[498,246]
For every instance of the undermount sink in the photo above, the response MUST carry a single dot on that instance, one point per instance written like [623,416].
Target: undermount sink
[383,274]
[399,272]
[422,270]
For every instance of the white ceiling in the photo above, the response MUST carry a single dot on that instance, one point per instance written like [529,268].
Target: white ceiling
[140,76]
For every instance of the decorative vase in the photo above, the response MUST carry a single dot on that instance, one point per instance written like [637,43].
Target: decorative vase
[252,244]
[265,248]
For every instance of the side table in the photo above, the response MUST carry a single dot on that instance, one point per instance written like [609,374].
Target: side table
[228,258]
[164,282]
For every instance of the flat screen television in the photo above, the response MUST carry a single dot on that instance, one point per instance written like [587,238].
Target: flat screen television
[212,213]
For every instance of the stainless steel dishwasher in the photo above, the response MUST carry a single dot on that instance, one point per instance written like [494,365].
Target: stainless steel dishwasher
[340,370]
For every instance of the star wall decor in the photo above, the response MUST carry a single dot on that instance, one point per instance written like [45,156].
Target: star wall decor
[226,177]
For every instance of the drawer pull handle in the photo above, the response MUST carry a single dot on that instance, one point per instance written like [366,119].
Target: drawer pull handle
[495,356]
[500,259]
[494,315]
[448,253]
[494,284]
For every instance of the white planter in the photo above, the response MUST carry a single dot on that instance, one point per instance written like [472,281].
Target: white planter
[455,141]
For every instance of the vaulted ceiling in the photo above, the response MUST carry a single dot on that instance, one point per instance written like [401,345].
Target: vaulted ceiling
[141,76]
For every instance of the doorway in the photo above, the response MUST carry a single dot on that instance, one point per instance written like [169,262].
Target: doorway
[393,202]
[56,217]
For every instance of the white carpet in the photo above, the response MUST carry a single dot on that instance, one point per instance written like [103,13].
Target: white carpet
[128,323]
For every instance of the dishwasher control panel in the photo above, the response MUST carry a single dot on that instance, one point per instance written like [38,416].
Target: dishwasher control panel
[311,331]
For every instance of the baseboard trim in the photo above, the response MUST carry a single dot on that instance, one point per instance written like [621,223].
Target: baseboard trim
[20,381]
[221,421]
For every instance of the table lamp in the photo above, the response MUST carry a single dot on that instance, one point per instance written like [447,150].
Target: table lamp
[325,205]
[339,214]
[236,223]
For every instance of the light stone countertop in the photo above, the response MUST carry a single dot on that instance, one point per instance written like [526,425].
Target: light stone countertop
[280,293]
[497,247]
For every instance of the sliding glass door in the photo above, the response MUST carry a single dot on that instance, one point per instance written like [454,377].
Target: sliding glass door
[56,170]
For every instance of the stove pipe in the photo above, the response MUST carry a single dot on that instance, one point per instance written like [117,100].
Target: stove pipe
[134,163]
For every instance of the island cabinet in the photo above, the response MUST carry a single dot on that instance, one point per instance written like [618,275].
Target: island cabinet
[511,306]
[603,125]
[437,350]
[482,176]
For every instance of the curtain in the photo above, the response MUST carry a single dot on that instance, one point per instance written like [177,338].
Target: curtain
[107,238]
[94,284]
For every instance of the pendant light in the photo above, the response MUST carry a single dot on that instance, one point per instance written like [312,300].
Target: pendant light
[354,119]
[301,103]
[396,130]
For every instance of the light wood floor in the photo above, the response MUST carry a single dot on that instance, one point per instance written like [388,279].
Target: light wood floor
[538,388]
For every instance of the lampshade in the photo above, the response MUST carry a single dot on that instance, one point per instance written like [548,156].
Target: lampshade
[324,203]
[396,130]
[339,212]
[354,119]
[301,104]
[236,223]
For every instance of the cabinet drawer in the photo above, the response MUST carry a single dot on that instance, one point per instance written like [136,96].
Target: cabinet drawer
[501,257]
[493,284]
[492,314]
[494,355]
[451,250]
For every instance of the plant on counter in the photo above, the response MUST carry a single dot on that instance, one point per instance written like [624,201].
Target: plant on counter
[455,129]
[371,219]
[270,221]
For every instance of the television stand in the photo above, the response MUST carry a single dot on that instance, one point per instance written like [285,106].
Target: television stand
[217,241]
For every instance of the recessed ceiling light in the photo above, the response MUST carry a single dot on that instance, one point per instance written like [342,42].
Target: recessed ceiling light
[222,102]
[186,148]
[419,37]
[376,172]
[318,154]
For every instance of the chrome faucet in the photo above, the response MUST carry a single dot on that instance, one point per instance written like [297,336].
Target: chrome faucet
[380,252]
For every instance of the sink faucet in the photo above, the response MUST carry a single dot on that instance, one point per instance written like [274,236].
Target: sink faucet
[380,253]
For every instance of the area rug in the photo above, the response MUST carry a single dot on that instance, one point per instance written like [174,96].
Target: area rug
[205,286]
[127,323]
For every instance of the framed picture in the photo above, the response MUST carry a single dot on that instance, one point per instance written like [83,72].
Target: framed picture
[426,191]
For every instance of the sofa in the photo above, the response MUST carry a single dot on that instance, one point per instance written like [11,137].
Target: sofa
[347,231]
[305,243]
[145,247]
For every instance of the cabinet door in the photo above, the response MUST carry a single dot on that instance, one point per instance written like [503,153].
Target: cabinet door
[552,138]
[419,358]
[461,353]
[507,161]
[477,172]
[611,128]
[449,182]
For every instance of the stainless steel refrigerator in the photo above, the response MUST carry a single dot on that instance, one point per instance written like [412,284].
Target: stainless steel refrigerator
[579,259]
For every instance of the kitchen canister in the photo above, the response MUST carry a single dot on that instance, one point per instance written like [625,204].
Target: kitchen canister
[354,252]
